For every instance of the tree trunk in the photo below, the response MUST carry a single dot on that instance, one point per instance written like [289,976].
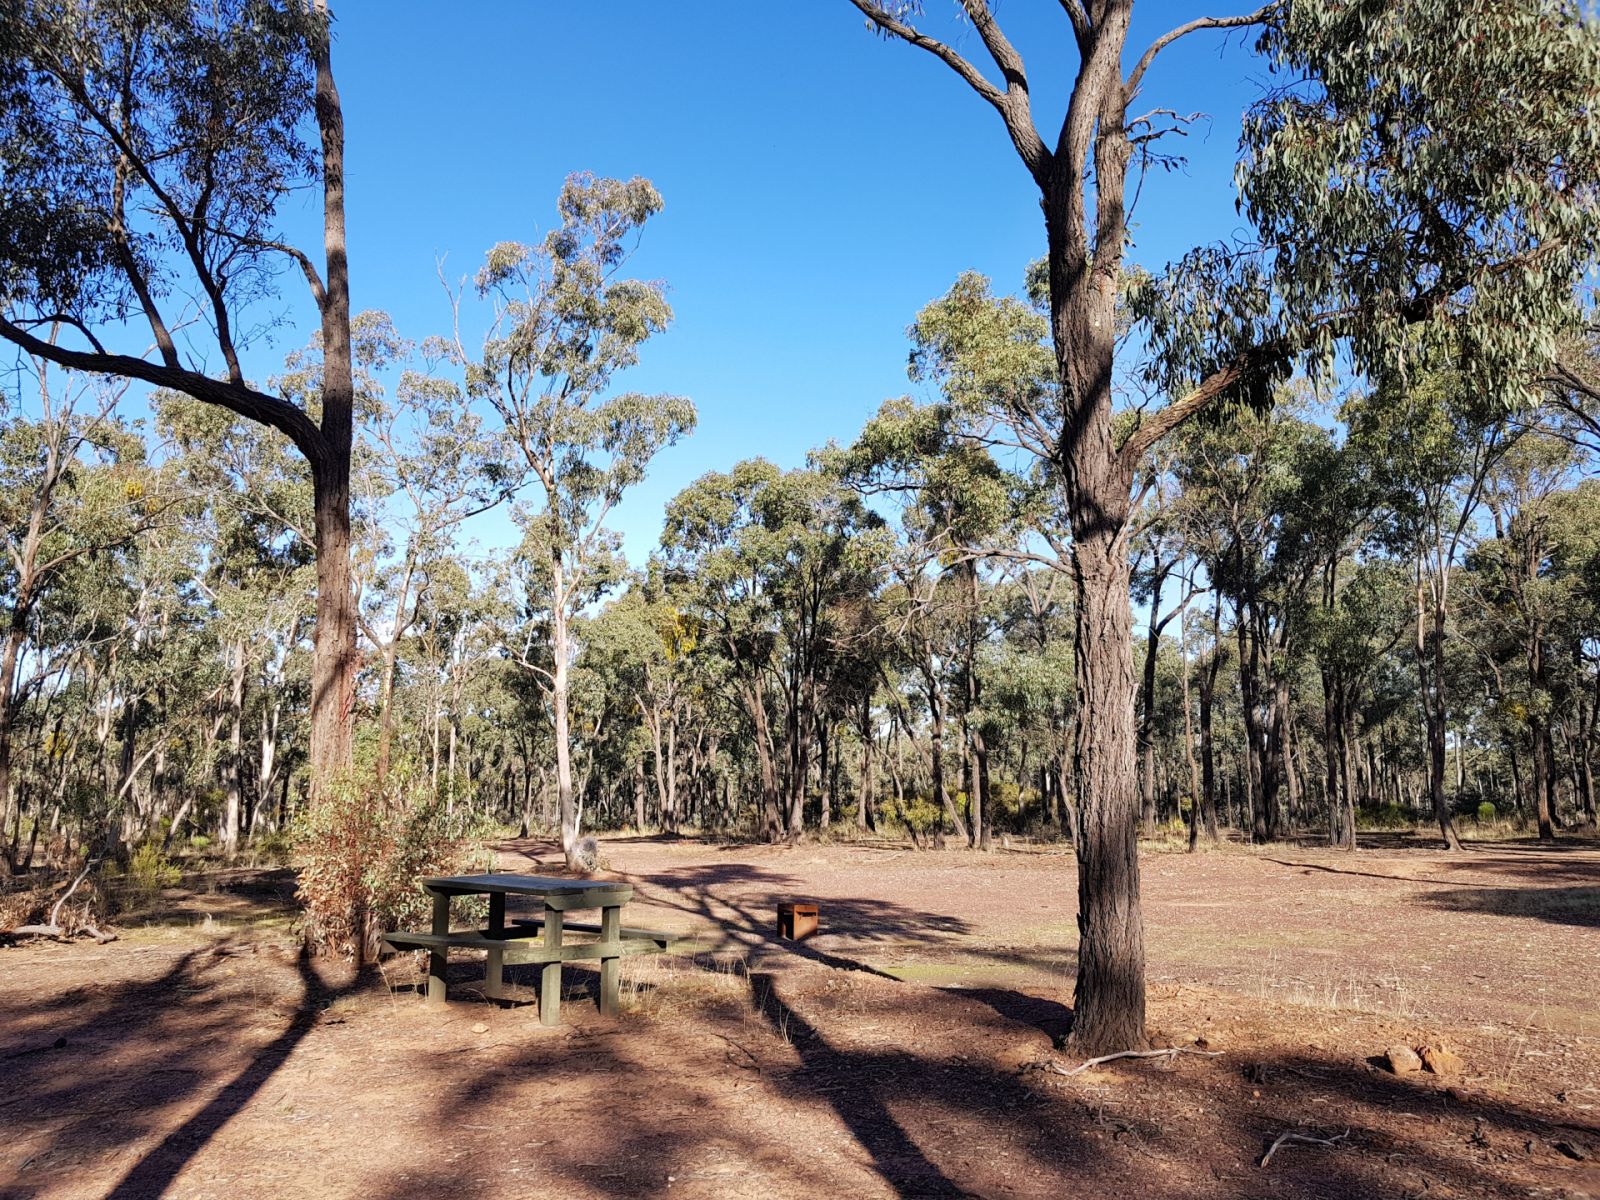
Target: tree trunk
[771,814]
[8,682]
[941,794]
[1430,679]
[390,652]
[559,686]
[1147,703]
[334,658]
[1199,812]
[864,780]
[1208,754]
[235,768]
[1340,833]
[978,792]
[1109,1009]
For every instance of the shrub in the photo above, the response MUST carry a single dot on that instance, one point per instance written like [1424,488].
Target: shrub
[276,848]
[149,871]
[1005,804]
[1487,811]
[1385,816]
[916,812]
[361,846]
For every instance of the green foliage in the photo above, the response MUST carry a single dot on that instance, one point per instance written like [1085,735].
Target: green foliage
[1385,817]
[1424,176]
[276,847]
[149,871]
[212,98]
[1486,811]
[1006,800]
[361,846]
[917,813]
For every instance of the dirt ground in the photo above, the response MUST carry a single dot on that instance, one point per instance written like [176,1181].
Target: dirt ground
[908,1050]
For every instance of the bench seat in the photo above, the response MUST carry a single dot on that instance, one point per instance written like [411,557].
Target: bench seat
[533,925]
[522,950]
[515,944]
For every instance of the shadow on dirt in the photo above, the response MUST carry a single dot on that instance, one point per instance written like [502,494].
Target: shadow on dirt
[1559,905]
[109,1066]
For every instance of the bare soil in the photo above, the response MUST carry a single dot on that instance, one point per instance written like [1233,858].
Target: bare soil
[910,1049]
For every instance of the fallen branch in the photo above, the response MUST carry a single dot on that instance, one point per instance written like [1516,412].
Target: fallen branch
[52,927]
[1289,1139]
[60,934]
[55,913]
[1170,1053]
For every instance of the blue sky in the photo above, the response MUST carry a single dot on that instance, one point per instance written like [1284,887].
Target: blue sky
[821,184]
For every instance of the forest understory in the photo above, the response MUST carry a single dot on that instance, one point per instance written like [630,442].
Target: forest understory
[912,1048]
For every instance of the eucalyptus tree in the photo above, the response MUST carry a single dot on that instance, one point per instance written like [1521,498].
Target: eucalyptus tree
[1574,574]
[1032,679]
[765,560]
[1435,442]
[566,323]
[1411,122]
[148,149]
[957,507]
[426,466]
[1254,488]
[250,517]
[73,485]
[640,643]
[1514,582]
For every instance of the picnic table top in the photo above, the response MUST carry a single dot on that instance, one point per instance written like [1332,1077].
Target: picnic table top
[523,885]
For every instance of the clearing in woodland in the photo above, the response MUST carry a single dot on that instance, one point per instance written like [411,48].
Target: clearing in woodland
[910,1049]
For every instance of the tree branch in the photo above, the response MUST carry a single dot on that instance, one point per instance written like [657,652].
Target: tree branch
[938,49]
[1165,420]
[244,401]
[307,267]
[1161,43]
[1011,104]
[1080,20]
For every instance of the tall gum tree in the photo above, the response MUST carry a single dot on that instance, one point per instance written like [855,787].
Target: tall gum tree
[1467,129]
[565,324]
[148,147]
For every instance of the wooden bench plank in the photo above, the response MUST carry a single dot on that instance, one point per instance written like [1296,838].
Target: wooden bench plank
[660,937]
[522,952]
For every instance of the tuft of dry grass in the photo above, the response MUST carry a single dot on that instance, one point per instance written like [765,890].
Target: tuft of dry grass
[671,984]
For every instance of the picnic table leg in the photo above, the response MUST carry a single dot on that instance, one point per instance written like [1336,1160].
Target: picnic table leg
[439,956]
[550,980]
[610,931]
[494,966]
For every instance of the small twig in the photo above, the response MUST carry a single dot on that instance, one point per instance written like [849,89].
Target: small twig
[1288,1138]
[1169,1053]
[754,1061]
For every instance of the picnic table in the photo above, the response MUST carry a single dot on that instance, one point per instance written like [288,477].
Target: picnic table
[511,943]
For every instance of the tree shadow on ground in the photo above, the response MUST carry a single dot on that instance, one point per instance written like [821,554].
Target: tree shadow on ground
[1549,871]
[809,1082]
[1559,905]
[740,900]
[107,1065]
[1050,1017]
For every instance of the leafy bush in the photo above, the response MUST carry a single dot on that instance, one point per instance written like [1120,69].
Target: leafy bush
[1487,811]
[1005,804]
[149,870]
[276,848]
[361,846]
[916,812]
[1385,816]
